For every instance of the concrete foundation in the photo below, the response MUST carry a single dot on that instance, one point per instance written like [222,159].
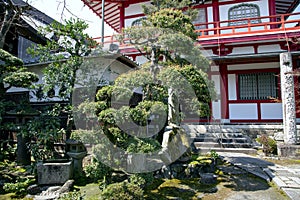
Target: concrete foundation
[288,150]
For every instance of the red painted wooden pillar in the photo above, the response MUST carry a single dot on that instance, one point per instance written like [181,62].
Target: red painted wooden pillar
[224,92]
[122,16]
[272,12]
[216,13]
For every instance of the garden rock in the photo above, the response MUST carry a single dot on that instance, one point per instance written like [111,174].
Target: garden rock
[208,178]
[34,189]
[54,192]
[166,172]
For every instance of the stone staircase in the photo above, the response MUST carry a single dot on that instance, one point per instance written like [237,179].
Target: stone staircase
[215,137]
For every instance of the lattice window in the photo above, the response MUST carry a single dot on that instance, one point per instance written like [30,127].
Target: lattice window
[243,11]
[257,86]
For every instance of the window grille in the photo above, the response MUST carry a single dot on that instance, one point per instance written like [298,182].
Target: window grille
[243,11]
[257,86]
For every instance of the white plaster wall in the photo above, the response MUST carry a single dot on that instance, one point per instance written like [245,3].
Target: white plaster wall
[210,16]
[242,50]
[271,110]
[216,109]
[134,9]
[269,65]
[141,59]
[269,48]
[216,80]
[214,68]
[117,68]
[247,111]
[232,87]
[216,105]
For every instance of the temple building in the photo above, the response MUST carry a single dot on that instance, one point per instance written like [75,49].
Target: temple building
[243,38]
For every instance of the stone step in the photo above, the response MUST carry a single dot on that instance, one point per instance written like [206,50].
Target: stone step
[237,145]
[235,140]
[204,150]
[225,145]
[214,128]
[206,139]
[219,135]
[211,138]
[206,144]
[228,135]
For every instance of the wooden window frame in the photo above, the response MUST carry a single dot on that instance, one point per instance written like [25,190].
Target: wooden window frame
[239,13]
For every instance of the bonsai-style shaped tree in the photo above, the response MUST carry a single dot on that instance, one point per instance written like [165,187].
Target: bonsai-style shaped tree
[172,85]
[14,74]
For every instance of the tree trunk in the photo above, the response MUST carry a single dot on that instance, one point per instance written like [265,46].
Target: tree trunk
[9,15]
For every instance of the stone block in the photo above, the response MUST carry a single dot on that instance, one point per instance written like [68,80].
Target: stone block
[50,173]
[279,136]
[288,150]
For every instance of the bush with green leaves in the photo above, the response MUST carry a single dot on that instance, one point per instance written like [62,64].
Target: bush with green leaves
[268,143]
[72,196]
[176,20]
[44,130]
[19,187]
[96,171]
[122,191]
[142,179]
[142,145]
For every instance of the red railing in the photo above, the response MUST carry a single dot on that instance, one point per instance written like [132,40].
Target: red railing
[233,28]
[275,23]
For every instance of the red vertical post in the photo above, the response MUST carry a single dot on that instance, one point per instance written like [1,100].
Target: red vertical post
[272,12]
[224,91]
[216,13]
[122,16]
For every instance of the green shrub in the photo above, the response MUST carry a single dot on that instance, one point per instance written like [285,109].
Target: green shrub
[72,196]
[96,171]
[122,191]
[269,144]
[143,145]
[142,179]
[86,136]
[19,188]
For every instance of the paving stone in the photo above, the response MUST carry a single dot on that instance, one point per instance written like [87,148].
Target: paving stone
[293,194]
[289,182]
[279,182]
[284,178]
[297,180]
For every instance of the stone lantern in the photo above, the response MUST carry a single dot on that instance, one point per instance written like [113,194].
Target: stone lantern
[77,151]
